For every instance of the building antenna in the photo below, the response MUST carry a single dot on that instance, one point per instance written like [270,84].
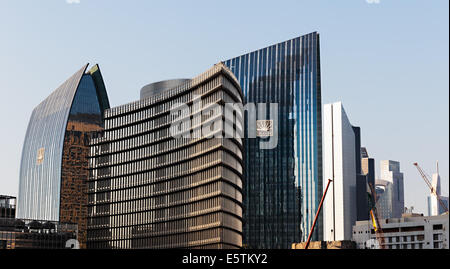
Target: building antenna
[437,167]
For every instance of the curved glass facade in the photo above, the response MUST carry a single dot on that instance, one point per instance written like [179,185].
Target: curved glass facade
[53,173]
[148,189]
[283,186]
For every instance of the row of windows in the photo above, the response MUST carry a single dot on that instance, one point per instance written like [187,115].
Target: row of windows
[148,152]
[168,200]
[143,179]
[157,122]
[197,239]
[179,226]
[436,245]
[191,239]
[411,238]
[166,146]
[144,140]
[166,214]
[173,171]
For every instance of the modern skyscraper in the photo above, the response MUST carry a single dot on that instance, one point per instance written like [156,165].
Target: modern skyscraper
[53,171]
[151,189]
[341,142]
[390,190]
[434,206]
[390,172]
[283,185]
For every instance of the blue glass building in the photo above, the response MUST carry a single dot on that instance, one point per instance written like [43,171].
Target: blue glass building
[283,186]
[53,171]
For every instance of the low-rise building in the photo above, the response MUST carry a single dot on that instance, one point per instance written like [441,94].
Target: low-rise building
[7,206]
[344,244]
[35,234]
[411,231]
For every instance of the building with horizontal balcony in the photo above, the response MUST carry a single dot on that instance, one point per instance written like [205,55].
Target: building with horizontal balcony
[149,188]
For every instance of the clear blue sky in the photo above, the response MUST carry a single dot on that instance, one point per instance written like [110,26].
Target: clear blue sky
[388,62]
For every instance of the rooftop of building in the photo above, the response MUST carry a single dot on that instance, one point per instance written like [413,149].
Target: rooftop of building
[159,87]
[409,217]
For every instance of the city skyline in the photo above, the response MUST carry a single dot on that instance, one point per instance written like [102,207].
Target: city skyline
[385,137]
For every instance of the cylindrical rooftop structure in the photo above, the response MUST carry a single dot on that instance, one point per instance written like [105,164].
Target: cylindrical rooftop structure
[161,86]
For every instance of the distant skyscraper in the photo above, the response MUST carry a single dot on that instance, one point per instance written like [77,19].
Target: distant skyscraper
[53,170]
[341,142]
[434,206]
[283,186]
[149,189]
[390,190]
[390,171]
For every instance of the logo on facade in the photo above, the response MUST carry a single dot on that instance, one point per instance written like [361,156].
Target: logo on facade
[40,156]
[264,128]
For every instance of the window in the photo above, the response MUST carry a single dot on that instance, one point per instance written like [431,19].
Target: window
[437,227]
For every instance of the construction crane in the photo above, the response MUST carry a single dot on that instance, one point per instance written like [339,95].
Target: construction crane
[317,214]
[428,182]
[375,217]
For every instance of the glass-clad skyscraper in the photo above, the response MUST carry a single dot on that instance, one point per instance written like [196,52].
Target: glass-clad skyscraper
[53,171]
[283,186]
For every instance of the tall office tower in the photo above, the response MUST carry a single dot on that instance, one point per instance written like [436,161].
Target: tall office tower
[434,206]
[368,170]
[151,189]
[340,165]
[53,170]
[390,172]
[283,185]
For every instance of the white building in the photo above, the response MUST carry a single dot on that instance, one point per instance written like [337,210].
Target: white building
[339,209]
[434,206]
[412,231]
[390,173]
